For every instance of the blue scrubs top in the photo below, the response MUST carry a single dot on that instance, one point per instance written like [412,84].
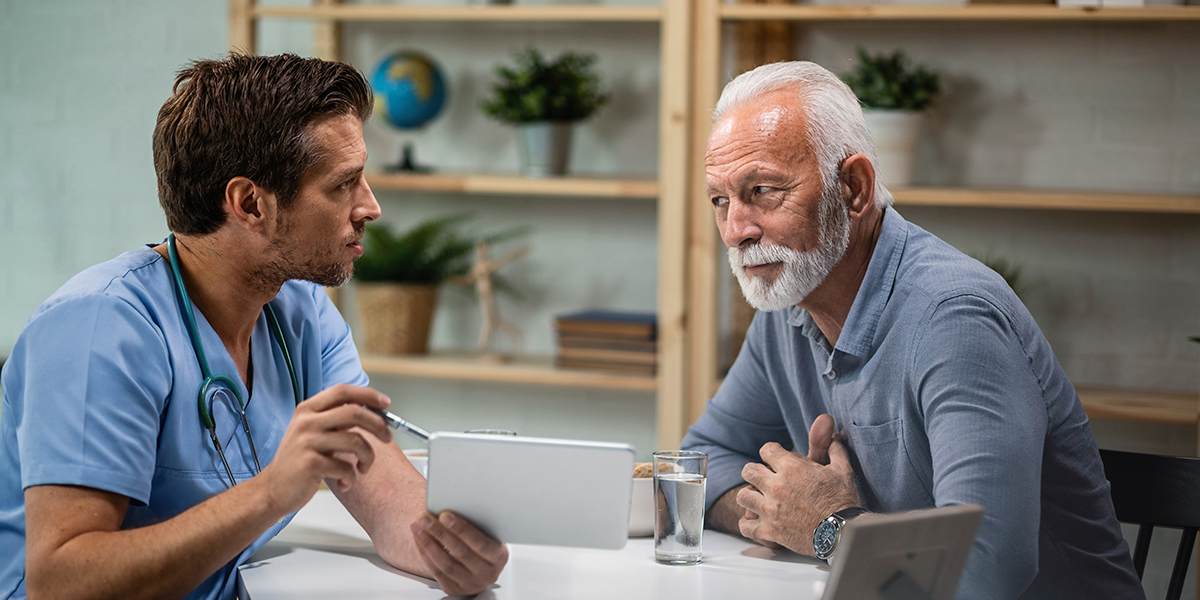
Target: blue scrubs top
[100,391]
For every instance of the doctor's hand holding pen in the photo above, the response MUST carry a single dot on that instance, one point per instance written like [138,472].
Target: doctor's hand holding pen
[326,441]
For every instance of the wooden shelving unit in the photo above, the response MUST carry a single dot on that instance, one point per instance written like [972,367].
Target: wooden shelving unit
[515,13]
[973,12]
[530,370]
[1047,199]
[690,56]
[483,183]
[1140,405]
[670,189]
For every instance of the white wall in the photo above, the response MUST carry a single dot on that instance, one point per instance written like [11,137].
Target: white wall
[80,86]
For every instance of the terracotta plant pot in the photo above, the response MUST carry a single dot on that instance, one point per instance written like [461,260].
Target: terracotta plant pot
[395,317]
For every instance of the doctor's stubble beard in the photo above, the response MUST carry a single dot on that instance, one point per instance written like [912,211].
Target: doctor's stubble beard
[802,271]
[323,268]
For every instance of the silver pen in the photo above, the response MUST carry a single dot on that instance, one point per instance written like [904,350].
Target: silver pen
[397,423]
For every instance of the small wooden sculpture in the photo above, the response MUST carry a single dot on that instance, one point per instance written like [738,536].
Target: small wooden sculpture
[480,276]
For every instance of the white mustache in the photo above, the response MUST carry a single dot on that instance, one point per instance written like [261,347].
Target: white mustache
[761,254]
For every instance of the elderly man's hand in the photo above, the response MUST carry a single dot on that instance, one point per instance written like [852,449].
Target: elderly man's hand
[791,494]
[464,560]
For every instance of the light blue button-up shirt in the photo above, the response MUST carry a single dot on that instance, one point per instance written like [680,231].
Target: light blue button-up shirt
[100,391]
[947,393]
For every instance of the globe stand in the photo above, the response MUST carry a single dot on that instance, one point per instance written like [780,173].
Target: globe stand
[408,163]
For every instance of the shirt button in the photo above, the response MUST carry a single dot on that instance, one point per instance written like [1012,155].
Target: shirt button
[831,374]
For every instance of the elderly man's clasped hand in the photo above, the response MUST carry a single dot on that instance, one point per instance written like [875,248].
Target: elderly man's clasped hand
[791,493]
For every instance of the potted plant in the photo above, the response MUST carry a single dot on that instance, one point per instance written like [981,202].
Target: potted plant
[894,97]
[543,99]
[398,276]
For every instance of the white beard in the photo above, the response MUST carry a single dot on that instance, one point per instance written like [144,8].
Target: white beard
[802,271]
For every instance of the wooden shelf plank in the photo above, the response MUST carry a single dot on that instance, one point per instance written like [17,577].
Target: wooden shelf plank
[1047,199]
[479,183]
[973,12]
[1140,405]
[526,370]
[395,13]
[1127,405]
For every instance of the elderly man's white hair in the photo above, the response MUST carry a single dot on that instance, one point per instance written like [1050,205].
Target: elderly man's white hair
[835,125]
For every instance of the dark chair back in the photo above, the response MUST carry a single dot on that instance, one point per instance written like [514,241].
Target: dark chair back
[1153,490]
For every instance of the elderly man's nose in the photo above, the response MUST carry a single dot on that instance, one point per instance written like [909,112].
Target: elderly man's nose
[741,227]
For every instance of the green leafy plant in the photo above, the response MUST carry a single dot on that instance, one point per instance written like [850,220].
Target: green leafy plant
[887,81]
[429,253]
[1009,270]
[564,90]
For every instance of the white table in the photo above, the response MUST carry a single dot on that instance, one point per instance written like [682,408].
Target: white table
[323,553]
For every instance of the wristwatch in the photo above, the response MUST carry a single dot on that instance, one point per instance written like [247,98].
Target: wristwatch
[829,531]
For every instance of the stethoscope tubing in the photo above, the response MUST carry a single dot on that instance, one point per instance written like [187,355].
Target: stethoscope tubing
[203,405]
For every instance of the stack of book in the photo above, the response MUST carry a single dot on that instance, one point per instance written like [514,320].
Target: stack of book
[621,342]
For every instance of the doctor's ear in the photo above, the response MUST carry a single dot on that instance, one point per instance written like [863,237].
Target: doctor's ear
[857,178]
[248,204]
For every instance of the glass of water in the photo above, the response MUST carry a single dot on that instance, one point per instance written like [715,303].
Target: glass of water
[679,478]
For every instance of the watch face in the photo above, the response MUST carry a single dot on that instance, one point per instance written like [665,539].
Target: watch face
[824,538]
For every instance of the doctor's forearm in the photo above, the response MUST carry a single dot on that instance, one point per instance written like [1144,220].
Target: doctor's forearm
[385,501]
[75,548]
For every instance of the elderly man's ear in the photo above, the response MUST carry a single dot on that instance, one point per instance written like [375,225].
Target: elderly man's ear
[858,184]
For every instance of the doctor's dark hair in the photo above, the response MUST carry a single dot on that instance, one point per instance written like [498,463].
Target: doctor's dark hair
[245,116]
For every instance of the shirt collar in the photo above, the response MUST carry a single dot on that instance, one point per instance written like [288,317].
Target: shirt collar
[873,294]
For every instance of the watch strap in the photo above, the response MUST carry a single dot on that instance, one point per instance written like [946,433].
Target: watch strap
[849,513]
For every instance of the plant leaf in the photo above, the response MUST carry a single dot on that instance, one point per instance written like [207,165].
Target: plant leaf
[566,89]
[885,81]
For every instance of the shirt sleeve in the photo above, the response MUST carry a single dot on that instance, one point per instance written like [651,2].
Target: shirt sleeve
[339,357]
[95,383]
[742,416]
[986,420]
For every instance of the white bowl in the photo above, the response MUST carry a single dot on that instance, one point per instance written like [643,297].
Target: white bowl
[641,508]
[420,460]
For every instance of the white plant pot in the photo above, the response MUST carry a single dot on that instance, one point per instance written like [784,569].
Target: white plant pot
[544,148]
[895,133]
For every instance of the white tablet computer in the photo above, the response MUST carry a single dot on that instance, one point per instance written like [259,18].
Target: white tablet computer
[916,555]
[527,490]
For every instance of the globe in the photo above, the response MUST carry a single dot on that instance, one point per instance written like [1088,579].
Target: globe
[409,89]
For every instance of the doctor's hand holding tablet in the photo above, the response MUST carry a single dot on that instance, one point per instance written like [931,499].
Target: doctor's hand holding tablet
[321,443]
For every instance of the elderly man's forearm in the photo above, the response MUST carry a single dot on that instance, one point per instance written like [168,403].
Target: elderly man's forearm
[725,513]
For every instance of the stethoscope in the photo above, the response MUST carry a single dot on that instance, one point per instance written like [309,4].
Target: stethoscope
[210,380]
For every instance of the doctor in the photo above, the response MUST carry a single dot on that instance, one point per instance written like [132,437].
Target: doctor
[128,467]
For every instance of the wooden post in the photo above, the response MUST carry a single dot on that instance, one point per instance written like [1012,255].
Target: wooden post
[242,26]
[762,42]
[702,242]
[327,35]
[777,39]
[673,200]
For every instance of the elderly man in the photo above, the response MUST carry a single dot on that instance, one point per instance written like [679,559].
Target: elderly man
[166,412]
[939,385]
